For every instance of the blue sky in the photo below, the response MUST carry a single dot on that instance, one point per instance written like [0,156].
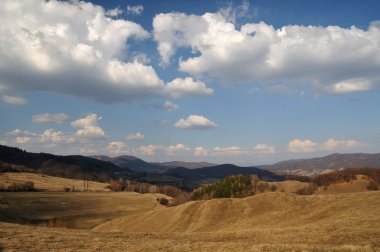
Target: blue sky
[245,82]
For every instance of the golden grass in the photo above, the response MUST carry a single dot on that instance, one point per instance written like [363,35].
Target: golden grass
[265,222]
[83,210]
[358,185]
[49,183]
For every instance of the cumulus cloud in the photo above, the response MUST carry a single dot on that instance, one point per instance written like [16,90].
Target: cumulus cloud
[331,144]
[88,126]
[114,12]
[298,145]
[59,44]
[116,148]
[135,9]
[14,100]
[200,151]
[180,87]
[330,59]
[170,106]
[264,149]
[178,148]
[136,137]
[57,118]
[231,150]
[149,150]
[195,122]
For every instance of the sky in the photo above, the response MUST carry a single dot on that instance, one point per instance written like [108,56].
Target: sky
[243,82]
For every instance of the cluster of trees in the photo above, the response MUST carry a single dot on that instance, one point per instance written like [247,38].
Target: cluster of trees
[229,187]
[347,175]
[134,186]
[27,186]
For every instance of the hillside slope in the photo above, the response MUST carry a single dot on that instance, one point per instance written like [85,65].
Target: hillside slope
[49,183]
[315,166]
[220,171]
[351,212]
[78,167]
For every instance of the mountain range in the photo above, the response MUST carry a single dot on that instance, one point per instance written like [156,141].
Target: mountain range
[320,165]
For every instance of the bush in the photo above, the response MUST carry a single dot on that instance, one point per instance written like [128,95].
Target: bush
[373,186]
[117,185]
[27,186]
[307,190]
[164,201]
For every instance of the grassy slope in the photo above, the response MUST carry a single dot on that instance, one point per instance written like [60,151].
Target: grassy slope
[269,210]
[72,210]
[48,183]
[265,222]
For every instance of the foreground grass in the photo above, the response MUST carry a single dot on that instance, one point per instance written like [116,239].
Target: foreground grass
[14,237]
[82,210]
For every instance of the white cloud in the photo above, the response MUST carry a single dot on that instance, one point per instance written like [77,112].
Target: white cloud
[14,100]
[88,126]
[3,142]
[23,140]
[200,151]
[264,149]
[178,148]
[149,150]
[333,144]
[116,148]
[231,151]
[57,118]
[170,106]
[135,9]
[59,44]
[180,87]
[136,137]
[330,59]
[298,145]
[195,122]
[114,12]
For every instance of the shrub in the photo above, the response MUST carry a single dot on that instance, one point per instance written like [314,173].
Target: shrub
[117,185]
[27,186]
[164,201]
[373,186]
[307,190]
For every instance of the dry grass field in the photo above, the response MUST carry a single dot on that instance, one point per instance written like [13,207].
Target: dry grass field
[265,222]
[82,210]
[49,183]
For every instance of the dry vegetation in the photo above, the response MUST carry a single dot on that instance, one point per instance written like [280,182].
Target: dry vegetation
[264,222]
[49,183]
[83,210]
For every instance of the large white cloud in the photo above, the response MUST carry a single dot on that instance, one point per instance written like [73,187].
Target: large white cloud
[331,59]
[195,122]
[88,126]
[73,48]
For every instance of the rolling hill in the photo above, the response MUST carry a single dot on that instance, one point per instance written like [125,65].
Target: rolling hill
[133,163]
[78,167]
[188,165]
[220,171]
[315,166]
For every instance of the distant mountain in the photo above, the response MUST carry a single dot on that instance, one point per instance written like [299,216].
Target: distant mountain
[209,174]
[133,163]
[315,166]
[78,167]
[188,165]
